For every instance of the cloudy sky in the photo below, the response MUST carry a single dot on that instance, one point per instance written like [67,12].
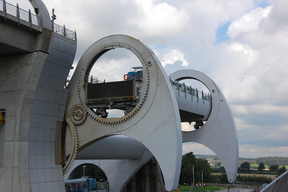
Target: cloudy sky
[241,44]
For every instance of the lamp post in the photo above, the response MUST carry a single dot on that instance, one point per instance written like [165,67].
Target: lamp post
[193,177]
[193,180]
[84,166]
[202,178]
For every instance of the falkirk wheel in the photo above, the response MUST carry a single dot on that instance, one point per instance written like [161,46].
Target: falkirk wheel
[46,127]
[154,105]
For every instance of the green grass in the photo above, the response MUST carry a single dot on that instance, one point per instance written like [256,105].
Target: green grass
[200,189]
[254,166]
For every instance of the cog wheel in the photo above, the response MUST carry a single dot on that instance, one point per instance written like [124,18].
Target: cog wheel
[77,114]
[73,144]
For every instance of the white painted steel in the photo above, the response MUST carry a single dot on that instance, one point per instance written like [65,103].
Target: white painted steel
[114,147]
[118,172]
[192,104]
[147,123]
[219,132]
[226,149]
[157,131]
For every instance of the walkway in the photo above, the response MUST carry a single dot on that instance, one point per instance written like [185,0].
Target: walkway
[237,190]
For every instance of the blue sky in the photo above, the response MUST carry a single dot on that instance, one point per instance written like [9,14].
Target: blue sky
[221,33]
[242,45]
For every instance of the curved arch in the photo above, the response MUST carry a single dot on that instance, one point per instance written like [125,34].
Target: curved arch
[159,132]
[112,168]
[43,12]
[113,147]
[84,171]
[219,125]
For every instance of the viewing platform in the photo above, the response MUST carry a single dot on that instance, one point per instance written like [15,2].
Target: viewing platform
[21,30]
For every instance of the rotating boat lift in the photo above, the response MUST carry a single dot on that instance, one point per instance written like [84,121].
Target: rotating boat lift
[154,105]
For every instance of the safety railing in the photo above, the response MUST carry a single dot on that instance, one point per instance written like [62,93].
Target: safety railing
[62,30]
[94,80]
[22,14]
[189,90]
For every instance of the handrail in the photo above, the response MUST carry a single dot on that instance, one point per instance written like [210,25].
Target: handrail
[94,80]
[13,10]
[189,90]
[176,85]
[62,30]
[22,14]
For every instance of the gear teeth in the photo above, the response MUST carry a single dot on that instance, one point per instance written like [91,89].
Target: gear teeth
[75,140]
[81,82]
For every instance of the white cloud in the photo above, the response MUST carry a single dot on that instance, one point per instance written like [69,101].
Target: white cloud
[250,68]
[172,57]
[248,22]
[278,17]
[254,151]
[254,61]
[114,64]
[158,19]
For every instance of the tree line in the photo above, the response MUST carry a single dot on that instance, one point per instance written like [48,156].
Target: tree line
[245,166]
[202,171]
[272,160]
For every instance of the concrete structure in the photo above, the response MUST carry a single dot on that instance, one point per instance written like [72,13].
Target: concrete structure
[34,64]
[45,126]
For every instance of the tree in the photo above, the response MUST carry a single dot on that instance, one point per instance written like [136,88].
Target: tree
[274,168]
[261,167]
[245,165]
[188,160]
[273,160]
[222,169]
[203,167]
[281,170]
[217,165]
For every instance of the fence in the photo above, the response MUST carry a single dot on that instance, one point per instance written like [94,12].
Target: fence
[24,15]
[189,90]
[62,30]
